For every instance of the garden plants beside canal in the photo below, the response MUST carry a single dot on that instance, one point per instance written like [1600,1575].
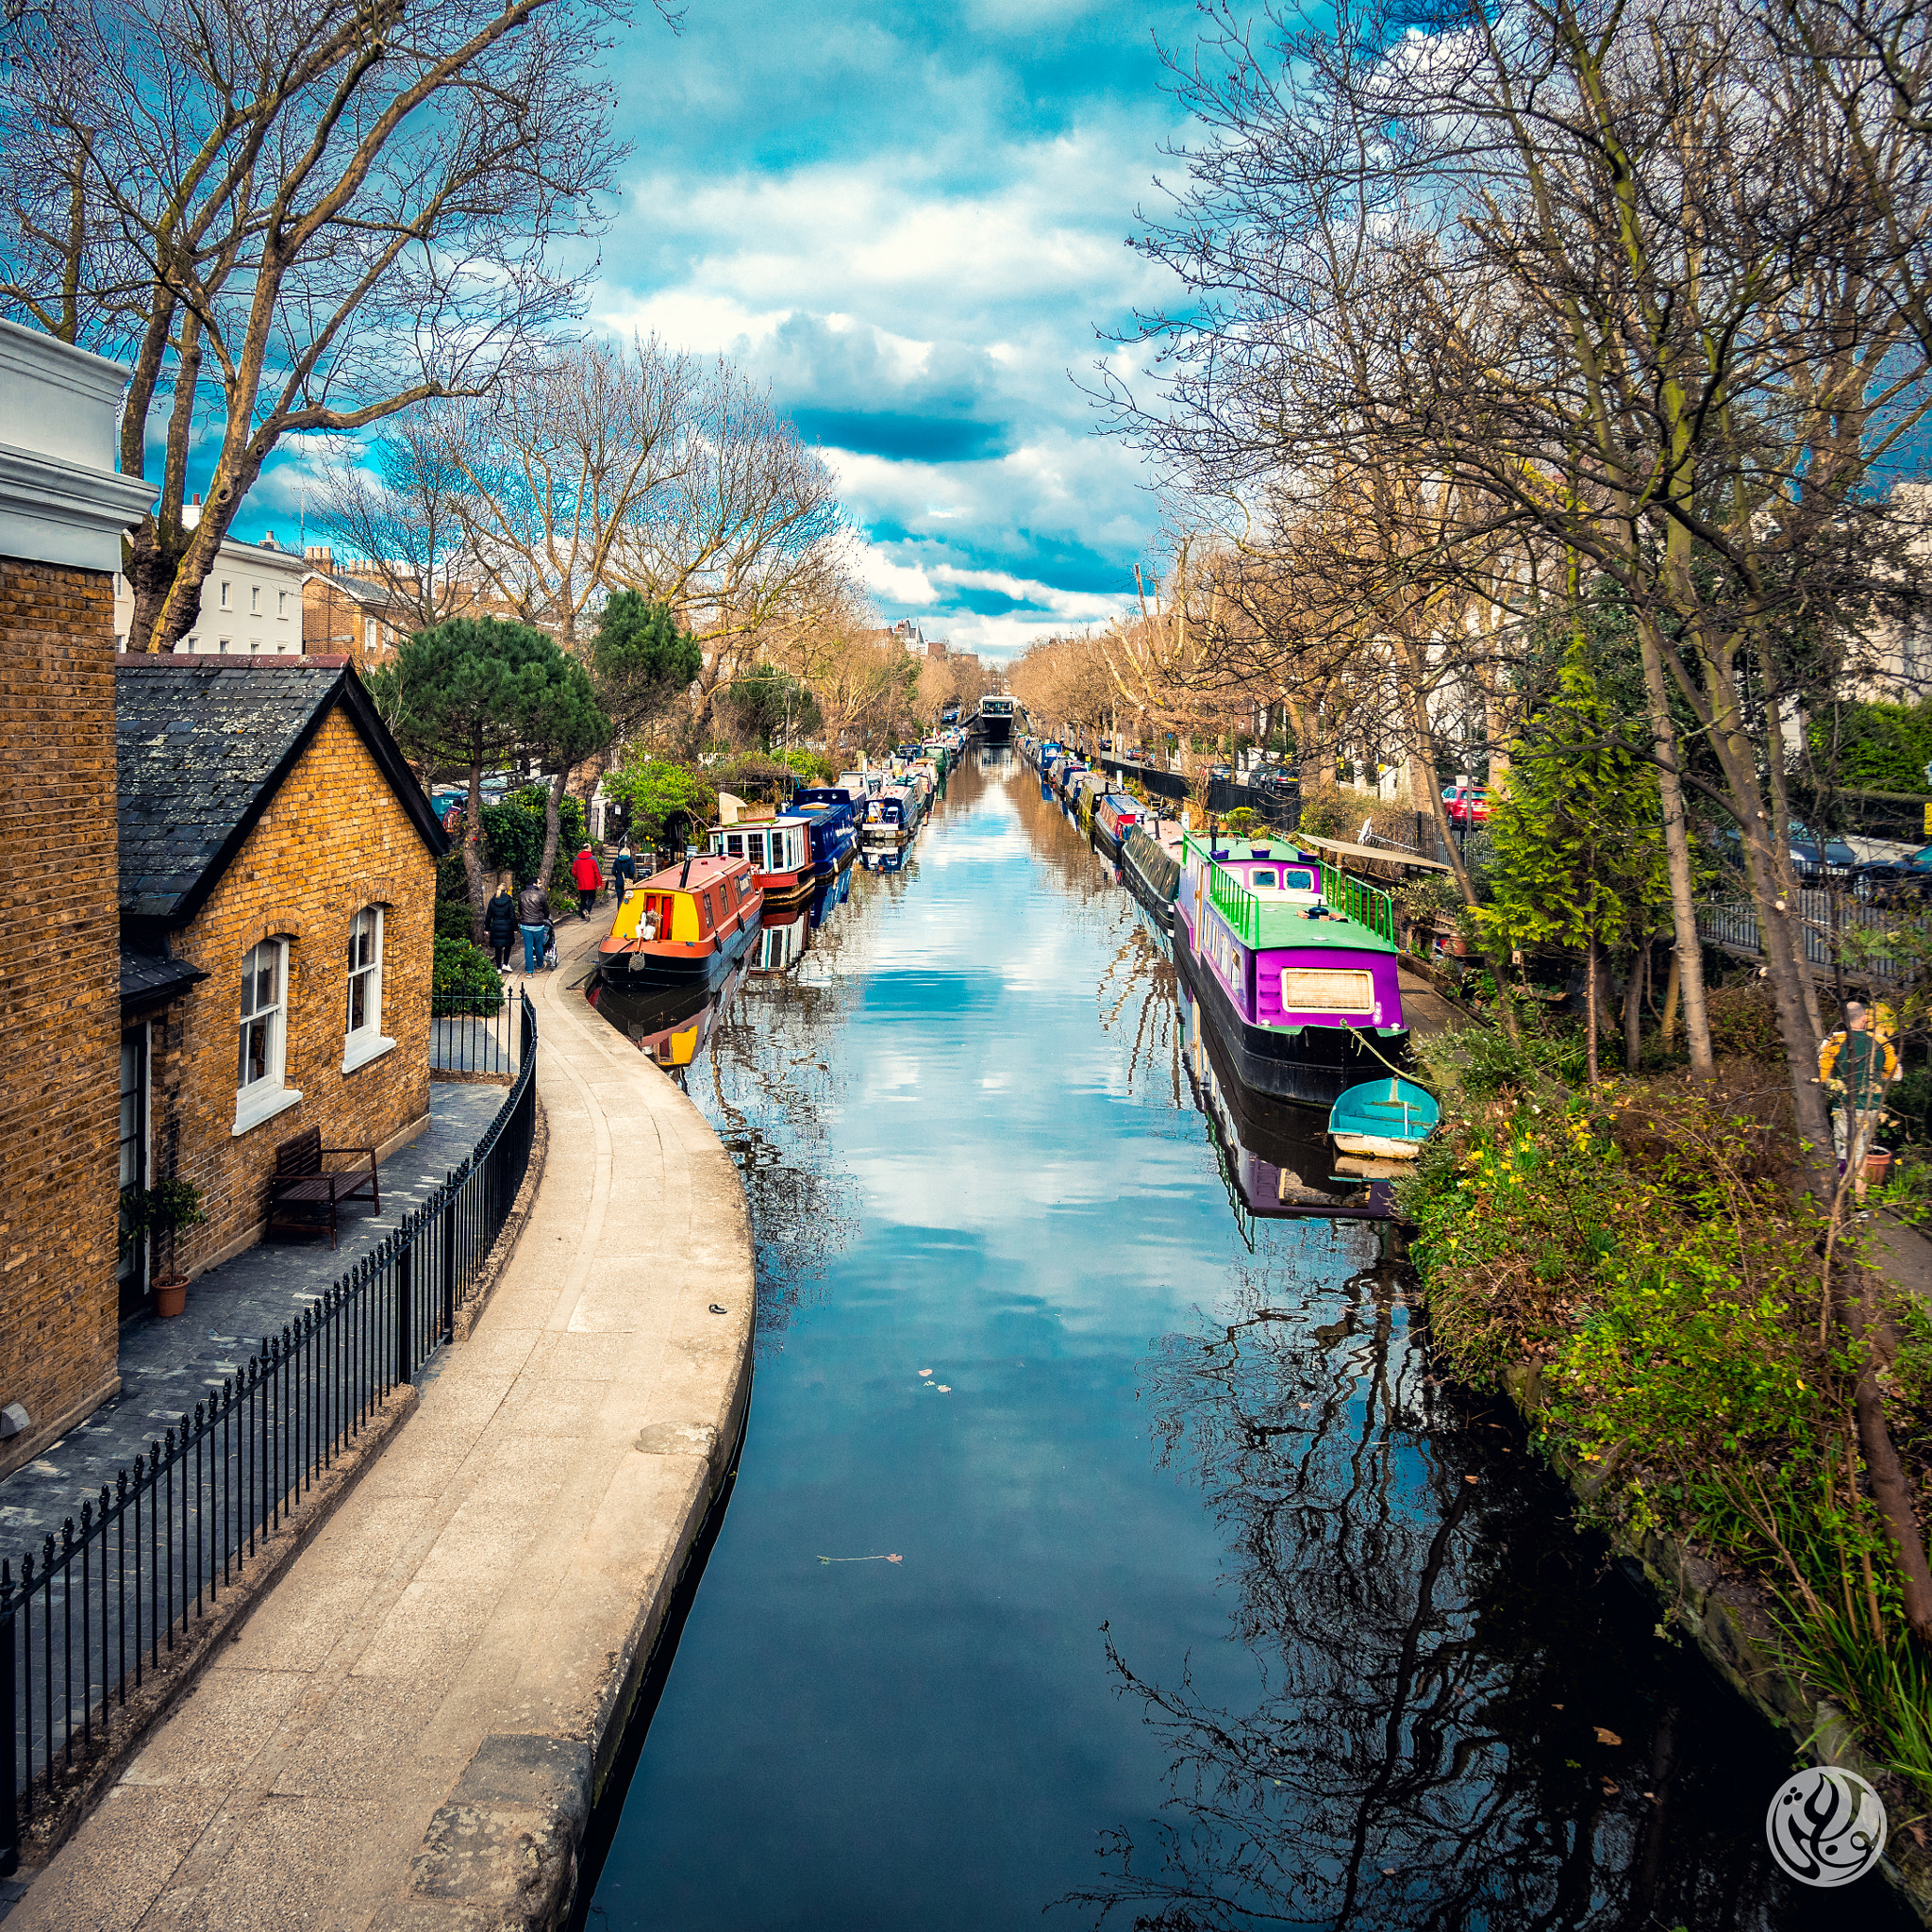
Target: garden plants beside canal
[1637,1266]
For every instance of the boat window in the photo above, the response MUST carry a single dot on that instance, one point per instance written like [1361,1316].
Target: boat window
[709,916]
[734,843]
[1262,878]
[1298,881]
[755,845]
[1327,990]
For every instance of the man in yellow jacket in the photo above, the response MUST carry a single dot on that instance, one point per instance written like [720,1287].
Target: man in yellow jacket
[1854,1065]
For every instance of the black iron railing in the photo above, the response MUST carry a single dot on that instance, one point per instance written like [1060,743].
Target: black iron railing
[473,1034]
[86,1617]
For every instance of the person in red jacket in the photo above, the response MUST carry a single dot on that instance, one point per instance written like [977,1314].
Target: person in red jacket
[588,880]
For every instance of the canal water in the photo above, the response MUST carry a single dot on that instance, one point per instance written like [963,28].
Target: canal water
[1100,1553]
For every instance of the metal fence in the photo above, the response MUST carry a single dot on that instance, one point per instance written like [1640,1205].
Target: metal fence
[1733,924]
[473,1034]
[86,1617]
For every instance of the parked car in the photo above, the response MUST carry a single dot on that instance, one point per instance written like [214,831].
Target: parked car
[1890,881]
[1467,805]
[1812,854]
[1276,778]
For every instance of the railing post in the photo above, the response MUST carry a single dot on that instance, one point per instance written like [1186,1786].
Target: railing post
[406,1260]
[9,1769]
[446,1221]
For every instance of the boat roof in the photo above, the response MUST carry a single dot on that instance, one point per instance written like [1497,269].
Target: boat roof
[706,867]
[1343,849]
[1288,924]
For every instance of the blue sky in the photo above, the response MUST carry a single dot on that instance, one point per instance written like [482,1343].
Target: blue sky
[910,221]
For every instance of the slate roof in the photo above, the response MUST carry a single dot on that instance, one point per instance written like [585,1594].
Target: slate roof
[201,743]
[152,979]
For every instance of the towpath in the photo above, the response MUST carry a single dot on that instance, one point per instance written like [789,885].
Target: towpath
[409,1729]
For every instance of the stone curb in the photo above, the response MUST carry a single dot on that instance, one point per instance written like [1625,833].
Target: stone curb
[165,1686]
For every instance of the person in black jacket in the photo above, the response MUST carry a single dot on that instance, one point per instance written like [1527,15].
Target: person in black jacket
[533,919]
[500,924]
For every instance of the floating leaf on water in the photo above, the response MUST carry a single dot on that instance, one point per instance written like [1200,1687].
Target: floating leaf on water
[1604,1737]
[925,1372]
[1471,1478]
[894,1560]
[945,1387]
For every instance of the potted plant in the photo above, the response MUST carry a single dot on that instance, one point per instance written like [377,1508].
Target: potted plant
[160,1211]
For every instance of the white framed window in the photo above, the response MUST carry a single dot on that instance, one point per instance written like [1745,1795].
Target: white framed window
[225,594]
[254,597]
[281,604]
[261,1091]
[362,1036]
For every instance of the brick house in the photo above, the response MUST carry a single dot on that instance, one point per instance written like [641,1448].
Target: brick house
[277,888]
[62,512]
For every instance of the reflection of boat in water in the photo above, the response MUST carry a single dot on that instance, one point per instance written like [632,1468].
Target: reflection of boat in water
[671,1025]
[687,925]
[886,858]
[832,893]
[782,938]
[1294,964]
[1275,1155]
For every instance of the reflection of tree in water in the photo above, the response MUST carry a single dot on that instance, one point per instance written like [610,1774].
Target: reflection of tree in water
[1432,1655]
[1059,843]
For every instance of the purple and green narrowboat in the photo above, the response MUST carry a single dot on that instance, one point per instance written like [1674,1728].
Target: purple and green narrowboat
[1293,965]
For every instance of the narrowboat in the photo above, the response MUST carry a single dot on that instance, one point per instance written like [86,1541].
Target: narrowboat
[1115,814]
[1294,964]
[890,818]
[780,850]
[1152,872]
[829,811]
[687,925]
[995,719]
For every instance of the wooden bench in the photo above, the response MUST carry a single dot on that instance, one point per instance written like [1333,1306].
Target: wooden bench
[302,1181]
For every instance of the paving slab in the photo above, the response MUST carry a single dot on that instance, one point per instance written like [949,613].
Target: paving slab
[412,1726]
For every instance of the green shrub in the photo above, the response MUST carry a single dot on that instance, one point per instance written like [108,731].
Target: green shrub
[453,920]
[464,969]
[1743,1024]
[573,829]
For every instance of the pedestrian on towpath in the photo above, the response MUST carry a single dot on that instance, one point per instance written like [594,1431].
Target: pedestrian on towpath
[533,919]
[623,869]
[589,879]
[1855,1064]
[500,924]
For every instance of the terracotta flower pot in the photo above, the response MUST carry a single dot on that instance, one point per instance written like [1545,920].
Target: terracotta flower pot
[1878,1164]
[171,1297]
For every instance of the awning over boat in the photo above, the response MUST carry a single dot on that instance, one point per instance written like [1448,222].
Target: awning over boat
[1343,849]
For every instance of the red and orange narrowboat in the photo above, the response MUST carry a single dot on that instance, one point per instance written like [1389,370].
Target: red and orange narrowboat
[687,925]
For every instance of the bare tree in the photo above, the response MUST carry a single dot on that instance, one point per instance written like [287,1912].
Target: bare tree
[577,444]
[292,219]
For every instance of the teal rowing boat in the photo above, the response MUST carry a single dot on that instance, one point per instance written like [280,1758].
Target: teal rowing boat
[1391,1117]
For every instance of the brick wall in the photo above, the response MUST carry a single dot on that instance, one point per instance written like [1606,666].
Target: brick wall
[333,839]
[59,995]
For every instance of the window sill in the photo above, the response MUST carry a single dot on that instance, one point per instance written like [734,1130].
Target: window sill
[359,1049]
[251,1111]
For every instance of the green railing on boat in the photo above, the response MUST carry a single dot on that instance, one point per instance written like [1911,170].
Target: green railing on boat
[1357,900]
[1353,898]
[1231,899]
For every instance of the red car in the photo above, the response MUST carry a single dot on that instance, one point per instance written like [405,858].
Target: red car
[1467,805]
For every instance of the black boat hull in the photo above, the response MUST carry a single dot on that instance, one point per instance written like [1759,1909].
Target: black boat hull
[639,972]
[1312,1065]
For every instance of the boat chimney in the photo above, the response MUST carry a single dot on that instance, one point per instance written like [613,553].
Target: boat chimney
[691,852]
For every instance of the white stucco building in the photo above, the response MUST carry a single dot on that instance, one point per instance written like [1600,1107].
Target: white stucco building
[251,605]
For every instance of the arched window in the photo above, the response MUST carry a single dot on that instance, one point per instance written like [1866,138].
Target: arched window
[362,1036]
[260,1089]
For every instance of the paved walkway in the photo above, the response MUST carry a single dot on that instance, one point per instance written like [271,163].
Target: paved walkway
[167,1367]
[407,1731]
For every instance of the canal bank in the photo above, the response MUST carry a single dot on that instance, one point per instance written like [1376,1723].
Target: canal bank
[412,1726]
